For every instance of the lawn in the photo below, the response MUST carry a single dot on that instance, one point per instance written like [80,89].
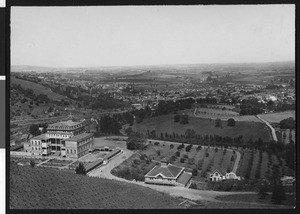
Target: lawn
[278,116]
[165,124]
[44,188]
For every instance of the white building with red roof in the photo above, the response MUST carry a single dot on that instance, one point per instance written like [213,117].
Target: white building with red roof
[168,174]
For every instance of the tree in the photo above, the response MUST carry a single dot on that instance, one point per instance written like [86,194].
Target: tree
[184,119]
[218,122]
[262,190]
[232,158]
[195,172]
[135,141]
[34,130]
[231,122]
[32,163]
[80,169]
[278,194]
[128,131]
[193,186]
[176,118]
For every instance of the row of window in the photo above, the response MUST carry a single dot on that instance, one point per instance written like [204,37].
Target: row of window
[71,151]
[36,142]
[58,135]
[85,141]
[36,148]
[84,147]
[160,178]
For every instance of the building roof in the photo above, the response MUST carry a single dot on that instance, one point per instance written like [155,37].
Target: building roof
[170,171]
[64,124]
[80,137]
[40,137]
[221,172]
[184,178]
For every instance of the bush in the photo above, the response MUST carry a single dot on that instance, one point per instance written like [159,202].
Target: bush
[206,154]
[230,122]
[182,160]
[136,161]
[156,143]
[32,163]
[193,186]
[80,169]
[195,172]
[177,154]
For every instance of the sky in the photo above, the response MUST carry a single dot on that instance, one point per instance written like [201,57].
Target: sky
[90,36]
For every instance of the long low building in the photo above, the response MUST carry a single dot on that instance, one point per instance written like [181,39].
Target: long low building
[66,138]
[168,174]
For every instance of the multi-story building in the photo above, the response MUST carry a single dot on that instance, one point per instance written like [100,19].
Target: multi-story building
[67,138]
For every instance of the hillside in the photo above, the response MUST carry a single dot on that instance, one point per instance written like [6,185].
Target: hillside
[37,88]
[40,188]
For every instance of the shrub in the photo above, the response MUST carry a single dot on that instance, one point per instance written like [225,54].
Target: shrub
[32,163]
[182,160]
[206,154]
[177,154]
[156,143]
[80,169]
[136,161]
[231,122]
[195,172]
[193,186]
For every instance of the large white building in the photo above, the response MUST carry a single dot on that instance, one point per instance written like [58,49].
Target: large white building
[67,138]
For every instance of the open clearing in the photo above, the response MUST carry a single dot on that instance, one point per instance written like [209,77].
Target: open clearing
[165,124]
[277,117]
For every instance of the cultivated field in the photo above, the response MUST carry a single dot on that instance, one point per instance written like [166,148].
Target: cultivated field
[165,124]
[44,188]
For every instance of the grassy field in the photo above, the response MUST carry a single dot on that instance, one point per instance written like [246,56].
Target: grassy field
[41,188]
[37,88]
[165,123]
[277,117]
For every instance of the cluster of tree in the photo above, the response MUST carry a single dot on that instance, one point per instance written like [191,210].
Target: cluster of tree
[183,119]
[135,141]
[104,101]
[109,125]
[166,107]
[80,169]
[251,107]
[288,123]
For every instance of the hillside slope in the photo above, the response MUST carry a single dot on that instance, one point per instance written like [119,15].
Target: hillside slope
[37,88]
[41,188]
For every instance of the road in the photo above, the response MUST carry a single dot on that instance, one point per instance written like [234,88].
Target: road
[272,129]
[191,194]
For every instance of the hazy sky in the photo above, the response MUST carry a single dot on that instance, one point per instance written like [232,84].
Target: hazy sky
[148,35]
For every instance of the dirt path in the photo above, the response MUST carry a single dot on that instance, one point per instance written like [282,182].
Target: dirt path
[269,125]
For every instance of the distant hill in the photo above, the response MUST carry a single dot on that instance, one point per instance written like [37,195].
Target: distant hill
[168,67]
